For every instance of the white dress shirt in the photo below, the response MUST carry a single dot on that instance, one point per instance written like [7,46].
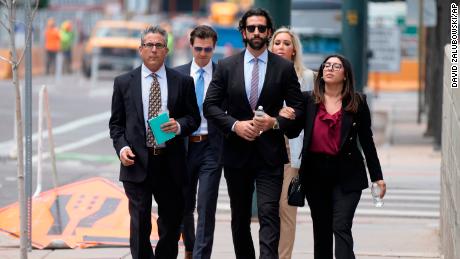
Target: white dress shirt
[249,65]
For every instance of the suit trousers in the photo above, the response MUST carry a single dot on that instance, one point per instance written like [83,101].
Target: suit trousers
[332,209]
[288,216]
[268,183]
[170,200]
[204,176]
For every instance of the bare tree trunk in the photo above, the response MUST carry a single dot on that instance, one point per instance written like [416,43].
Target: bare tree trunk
[19,132]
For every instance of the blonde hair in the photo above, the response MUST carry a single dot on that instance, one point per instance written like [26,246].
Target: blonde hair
[297,58]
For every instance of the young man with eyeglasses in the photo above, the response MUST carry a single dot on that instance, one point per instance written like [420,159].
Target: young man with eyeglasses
[147,167]
[254,151]
[203,154]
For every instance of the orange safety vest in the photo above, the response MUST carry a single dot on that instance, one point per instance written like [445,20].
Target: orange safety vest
[52,39]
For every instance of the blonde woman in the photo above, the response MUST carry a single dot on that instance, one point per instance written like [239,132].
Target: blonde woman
[287,44]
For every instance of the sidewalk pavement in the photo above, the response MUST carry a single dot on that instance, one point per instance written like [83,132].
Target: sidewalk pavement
[408,161]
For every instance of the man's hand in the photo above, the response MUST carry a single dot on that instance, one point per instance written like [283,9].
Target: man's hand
[287,112]
[383,188]
[263,123]
[170,126]
[127,157]
[246,130]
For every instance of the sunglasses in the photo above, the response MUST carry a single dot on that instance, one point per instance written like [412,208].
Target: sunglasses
[333,66]
[207,49]
[252,28]
[157,45]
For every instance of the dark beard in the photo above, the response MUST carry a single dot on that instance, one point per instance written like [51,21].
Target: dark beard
[259,45]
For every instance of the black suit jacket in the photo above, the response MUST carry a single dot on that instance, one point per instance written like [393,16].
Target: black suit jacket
[228,86]
[127,126]
[355,126]
[215,136]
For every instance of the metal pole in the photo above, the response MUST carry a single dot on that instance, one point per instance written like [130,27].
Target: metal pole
[354,38]
[28,121]
[38,189]
[421,43]
[50,138]
[94,67]
[281,13]
[59,67]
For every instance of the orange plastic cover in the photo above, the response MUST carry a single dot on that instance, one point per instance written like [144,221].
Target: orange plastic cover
[82,214]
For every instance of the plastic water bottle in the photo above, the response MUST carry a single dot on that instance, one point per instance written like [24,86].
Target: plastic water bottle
[259,112]
[375,190]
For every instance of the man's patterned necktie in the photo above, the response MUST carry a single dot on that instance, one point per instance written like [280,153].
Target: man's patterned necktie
[254,93]
[154,106]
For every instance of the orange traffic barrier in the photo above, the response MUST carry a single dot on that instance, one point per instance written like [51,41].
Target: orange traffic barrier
[404,80]
[82,214]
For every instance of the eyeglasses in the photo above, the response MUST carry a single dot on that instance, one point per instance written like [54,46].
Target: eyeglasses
[157,45]
[334,66]
[252,28]
[207,49]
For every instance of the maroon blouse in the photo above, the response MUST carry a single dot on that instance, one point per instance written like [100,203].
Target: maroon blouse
[326,132]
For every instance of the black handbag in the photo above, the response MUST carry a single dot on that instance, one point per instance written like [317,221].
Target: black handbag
[296,192]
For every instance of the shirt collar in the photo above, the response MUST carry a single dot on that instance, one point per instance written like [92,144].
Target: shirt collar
[146,72]
[194,68]
[248,57]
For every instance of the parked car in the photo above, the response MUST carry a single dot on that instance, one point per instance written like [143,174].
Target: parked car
[116,43]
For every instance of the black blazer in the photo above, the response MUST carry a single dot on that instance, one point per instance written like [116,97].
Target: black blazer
[228,86]
[215,136]
[127,126]
[352,175]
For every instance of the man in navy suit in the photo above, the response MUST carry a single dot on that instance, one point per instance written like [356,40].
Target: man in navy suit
[204,150]
[147,167]
[254,150]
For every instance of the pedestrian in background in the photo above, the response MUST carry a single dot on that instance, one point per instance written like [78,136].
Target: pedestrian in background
[203,154]
[52,45]
[147,167]
[332,167]
[254,151]
[67,36]
[286,44]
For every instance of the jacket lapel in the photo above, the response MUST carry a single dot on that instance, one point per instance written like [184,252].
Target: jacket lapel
[239,77]
[312,109]
[136,91]
[173,90]
[189,68]
[347,119]
[269,71]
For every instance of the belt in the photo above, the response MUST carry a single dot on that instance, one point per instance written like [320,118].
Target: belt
[157,151]
[197,138]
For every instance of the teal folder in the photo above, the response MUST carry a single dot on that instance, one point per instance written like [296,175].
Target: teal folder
[155,123]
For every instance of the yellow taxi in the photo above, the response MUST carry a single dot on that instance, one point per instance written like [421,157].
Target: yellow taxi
[116,45]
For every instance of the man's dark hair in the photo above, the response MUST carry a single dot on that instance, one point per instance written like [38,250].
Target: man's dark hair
[203,32]
[256,12]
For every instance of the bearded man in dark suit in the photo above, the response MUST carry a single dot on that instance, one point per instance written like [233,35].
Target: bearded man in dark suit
[254,150]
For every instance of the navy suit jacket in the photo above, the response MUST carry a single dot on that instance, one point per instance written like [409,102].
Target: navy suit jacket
[127,126]
[215,136]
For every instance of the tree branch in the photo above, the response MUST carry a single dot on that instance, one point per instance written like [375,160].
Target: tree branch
[6,60]
[29,29]
[4,25]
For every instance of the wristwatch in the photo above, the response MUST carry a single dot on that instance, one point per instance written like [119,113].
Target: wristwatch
[276,125]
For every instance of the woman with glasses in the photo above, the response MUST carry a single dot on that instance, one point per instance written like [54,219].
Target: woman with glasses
[286,44]
[332,167]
